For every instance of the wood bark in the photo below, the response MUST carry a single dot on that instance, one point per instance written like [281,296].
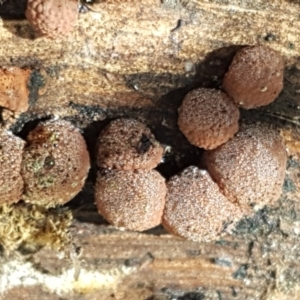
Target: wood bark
[138,59]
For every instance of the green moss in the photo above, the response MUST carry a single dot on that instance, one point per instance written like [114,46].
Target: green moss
[34,226]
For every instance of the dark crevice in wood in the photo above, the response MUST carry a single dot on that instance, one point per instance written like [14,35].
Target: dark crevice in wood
[13,9]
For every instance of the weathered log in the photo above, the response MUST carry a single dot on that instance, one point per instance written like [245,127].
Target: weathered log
[150,46]
[138,58]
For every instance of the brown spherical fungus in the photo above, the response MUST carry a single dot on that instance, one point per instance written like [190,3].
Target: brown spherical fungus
[255,77]
[52,18]
[13,89]
[131,199]
[11,182]
[249,168]
[126,144]
[195,208]
[208,118]
[55,163]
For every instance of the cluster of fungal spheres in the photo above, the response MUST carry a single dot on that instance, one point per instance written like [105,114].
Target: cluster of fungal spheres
[52,18]
[129,193]
[46,170]
[245,165]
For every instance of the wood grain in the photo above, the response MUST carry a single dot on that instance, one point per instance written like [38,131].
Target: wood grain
[138,59]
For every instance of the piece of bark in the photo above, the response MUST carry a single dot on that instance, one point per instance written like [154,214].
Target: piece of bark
[13,89]
[149,46]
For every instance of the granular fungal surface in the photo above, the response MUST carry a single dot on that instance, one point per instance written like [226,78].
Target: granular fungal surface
[131,199]
[208,118]
[255,76]
[250,168]
[127,144]
[195,207]
[52,18]
[55,163]
[11,181]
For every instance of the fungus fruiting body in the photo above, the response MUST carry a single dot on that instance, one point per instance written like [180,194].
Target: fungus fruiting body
[250,167]
[11,182]
[208,118]
[195,208]
[255,77]
[13,89]
[127,144]
[55,163]
[131,199]
[52,18]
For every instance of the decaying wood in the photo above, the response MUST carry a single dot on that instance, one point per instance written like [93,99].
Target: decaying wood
[150,46]
[138,58]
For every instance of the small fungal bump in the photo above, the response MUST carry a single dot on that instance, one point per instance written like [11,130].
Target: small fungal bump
[195,207]
[133,200]
[208,118]
[126,144]
[255,76]
[56,154]
[52,18]
[250,167]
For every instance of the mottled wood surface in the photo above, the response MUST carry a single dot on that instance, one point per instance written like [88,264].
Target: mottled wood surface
[130,58]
